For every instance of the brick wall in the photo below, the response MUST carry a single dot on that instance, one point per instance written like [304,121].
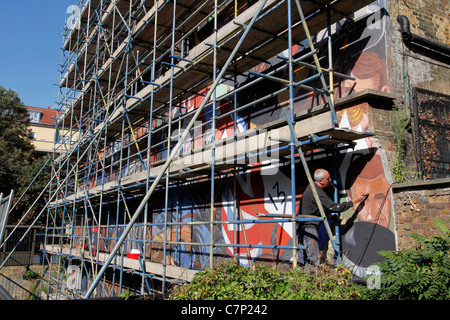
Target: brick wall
[429,19]
[417,205]
[381,126]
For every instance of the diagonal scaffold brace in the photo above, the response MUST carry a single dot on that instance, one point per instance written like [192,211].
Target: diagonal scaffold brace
[298,145]
[173,154]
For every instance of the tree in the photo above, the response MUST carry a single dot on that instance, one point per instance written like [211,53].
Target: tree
[18,161]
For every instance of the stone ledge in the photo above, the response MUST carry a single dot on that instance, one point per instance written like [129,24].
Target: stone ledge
[367,96]
[444,182]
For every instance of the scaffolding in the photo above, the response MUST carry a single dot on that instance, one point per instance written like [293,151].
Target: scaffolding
[151,97]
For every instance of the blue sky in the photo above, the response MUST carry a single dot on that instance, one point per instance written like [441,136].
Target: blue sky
[30,48]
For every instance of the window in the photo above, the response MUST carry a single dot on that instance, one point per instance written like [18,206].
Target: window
[34,116]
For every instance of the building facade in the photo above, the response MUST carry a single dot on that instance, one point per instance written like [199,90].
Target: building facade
[42,125]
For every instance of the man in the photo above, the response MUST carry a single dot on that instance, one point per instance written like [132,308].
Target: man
[308,233]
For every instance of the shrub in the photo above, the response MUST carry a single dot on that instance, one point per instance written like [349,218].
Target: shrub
[228,281]
[30,275]
[421,272]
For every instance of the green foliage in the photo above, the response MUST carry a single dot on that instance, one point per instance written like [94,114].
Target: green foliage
[15,145]
[421,272]
[30,275]
[19,162]
[28,174]
[400,121]
[229,281]
[125,295]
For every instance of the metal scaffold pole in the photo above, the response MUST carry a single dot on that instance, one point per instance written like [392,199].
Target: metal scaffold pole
[168,113]
[173,153]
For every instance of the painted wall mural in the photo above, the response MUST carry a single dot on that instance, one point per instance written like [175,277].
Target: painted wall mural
[366,229]
[183,206]
[359,52]
[245,198]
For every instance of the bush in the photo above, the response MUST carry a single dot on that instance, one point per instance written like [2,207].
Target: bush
[30,275]
[421,272]
[228,281]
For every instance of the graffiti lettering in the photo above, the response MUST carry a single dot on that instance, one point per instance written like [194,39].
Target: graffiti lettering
[278,195]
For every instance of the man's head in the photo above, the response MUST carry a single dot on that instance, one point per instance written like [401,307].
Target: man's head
[322,178]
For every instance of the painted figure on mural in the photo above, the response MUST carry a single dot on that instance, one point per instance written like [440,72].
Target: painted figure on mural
[368,229]
[188,252]
[371,179]
[369,69]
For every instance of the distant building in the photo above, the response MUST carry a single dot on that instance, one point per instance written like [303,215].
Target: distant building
[42,125]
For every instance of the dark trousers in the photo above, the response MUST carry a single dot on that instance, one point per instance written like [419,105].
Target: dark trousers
[308,237]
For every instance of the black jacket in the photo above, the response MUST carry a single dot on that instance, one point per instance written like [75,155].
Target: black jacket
[309,205]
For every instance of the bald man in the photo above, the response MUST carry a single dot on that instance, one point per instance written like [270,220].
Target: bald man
[308,234]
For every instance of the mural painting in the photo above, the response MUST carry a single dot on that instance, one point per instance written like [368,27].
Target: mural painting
[184,206]
[257,194]
[365,230]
